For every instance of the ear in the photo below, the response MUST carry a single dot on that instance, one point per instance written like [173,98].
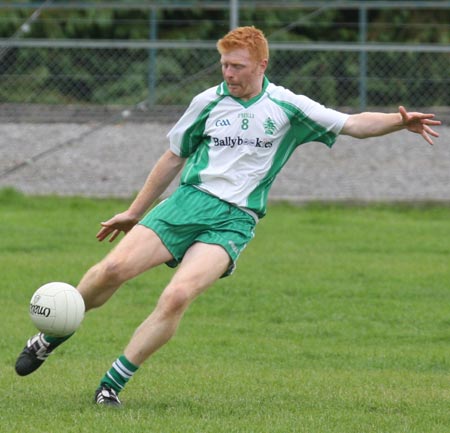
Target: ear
[263,65]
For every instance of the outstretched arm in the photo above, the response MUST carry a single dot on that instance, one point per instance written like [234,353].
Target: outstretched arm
[164,171]
[364,125]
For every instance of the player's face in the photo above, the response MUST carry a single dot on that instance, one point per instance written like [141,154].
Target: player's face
[243,75]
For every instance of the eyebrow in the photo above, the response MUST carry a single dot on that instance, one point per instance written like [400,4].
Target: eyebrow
[235,63]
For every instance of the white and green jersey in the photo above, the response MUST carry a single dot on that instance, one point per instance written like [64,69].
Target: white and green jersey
[236,148]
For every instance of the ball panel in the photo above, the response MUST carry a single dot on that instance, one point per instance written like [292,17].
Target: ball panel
[43,311]
[57,309]
[63,309]
[72,302]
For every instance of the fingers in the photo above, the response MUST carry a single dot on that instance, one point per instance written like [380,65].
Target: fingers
[112,228]
[413,116]
[430,131]
[426,132]
[431,122]
[103,232]
[114,235]
[426,117]
[427,138]
[106,230]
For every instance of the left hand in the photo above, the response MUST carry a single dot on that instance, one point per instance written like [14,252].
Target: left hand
[419,123]
[122,222]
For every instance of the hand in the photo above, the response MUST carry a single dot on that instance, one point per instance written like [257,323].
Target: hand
[122,222]
[419,123]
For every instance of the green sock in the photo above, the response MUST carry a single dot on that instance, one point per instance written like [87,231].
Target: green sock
[56,341]
[119,374]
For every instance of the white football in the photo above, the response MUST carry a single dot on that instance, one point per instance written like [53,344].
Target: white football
[57,309]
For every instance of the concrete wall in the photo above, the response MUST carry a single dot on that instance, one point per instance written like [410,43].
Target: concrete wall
[101,160]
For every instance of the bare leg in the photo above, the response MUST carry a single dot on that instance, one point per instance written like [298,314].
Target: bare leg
[202,265]
[140,250]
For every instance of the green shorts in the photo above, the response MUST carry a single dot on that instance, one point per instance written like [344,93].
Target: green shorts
[190,215]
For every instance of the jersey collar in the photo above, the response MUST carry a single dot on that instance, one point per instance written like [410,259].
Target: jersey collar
[222,90]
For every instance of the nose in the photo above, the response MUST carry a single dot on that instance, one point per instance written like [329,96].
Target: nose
[227,71]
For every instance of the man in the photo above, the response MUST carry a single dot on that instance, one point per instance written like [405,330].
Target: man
[232,141]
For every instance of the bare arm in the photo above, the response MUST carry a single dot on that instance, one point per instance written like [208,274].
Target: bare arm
[372,124]
[162,174]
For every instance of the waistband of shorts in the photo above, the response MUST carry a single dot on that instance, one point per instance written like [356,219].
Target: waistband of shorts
[243,209]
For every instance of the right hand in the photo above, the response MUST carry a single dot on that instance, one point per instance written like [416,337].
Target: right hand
[122,222]
[419,123]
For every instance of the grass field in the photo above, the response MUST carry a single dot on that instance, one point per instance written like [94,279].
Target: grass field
[336,321]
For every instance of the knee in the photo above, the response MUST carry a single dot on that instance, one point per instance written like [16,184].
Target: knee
[173,301]
[111,271]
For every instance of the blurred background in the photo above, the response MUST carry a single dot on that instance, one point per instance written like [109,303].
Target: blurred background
[98,56]
[72,72]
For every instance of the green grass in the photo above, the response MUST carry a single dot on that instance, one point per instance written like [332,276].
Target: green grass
[336,321]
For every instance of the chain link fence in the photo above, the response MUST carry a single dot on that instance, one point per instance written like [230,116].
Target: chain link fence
[93,80]
[44,80]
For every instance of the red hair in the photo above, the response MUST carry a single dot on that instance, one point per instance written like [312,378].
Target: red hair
[245,37]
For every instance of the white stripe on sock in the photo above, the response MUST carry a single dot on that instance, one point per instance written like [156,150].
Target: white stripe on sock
[122,370]
[114,380]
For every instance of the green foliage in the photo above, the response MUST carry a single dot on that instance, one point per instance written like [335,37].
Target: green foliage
[407,77]
[113,77]
[336,320]
[385,25]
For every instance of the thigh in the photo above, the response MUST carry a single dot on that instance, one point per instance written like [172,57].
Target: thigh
[139,250]
[191,215]
[202,265]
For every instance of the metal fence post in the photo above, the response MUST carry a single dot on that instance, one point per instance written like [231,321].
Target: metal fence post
[152,74]
[362,58]
[234,14]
